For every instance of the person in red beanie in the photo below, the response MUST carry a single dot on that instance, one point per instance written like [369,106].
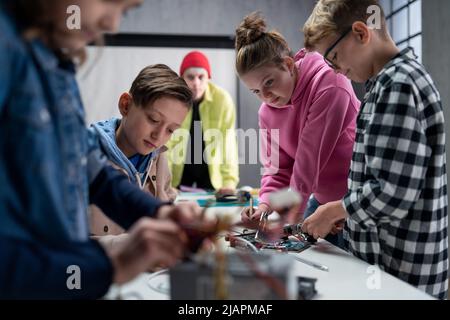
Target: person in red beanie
[208,164]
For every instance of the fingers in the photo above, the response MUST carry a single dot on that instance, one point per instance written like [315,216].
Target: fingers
[183,213]
[305,225]
[226,191]
[189,205]
[334,231]
[150,243]
[246,216]
[257,214]
[150,235]
[164,226]
[337,228]
[188,212]
[319,227]
[293,215]
[310,228]
[340,225]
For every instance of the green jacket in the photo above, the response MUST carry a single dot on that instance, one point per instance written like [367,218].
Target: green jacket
[218,115]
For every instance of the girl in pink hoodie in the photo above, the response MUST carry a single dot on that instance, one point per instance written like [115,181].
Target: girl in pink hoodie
[309,113]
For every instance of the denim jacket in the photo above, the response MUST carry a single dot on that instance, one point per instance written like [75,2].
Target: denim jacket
[44,144]
[49,173]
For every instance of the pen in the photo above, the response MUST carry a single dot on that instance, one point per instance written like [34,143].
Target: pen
[261,219]
[312,264]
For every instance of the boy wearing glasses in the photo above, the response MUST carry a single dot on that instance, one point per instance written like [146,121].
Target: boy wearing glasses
[395,210]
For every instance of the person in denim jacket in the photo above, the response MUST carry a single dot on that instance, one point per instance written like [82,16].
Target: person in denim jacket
[51,170]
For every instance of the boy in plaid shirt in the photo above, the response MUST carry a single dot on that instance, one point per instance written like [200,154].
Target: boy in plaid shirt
[395,211]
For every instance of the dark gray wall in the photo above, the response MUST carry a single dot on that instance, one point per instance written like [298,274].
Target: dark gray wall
[436,49]
[221,17]
[436,53]
[216,17]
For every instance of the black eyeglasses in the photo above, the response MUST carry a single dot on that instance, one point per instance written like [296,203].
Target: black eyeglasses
[328,61]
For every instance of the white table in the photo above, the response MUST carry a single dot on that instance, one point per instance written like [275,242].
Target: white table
[348,278]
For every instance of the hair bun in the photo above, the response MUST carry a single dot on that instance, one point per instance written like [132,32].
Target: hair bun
[251,29]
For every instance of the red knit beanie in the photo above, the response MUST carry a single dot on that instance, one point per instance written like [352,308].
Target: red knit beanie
[195,59]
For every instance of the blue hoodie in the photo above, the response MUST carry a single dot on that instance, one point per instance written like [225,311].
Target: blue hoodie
[106,133]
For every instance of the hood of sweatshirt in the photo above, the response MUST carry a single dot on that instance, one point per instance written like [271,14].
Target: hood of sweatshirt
[106,132]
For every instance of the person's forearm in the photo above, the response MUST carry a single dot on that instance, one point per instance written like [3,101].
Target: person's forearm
[33,270]
[120,200]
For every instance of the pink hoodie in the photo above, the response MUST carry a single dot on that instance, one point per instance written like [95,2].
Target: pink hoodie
[316,134]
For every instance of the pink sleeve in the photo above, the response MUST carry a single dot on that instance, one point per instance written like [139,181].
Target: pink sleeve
[326,120]
[277,164]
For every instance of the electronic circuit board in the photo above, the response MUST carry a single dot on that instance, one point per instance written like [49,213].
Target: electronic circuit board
[284,244]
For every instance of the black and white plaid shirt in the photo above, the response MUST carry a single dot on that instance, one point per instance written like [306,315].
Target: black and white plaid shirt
[397,198]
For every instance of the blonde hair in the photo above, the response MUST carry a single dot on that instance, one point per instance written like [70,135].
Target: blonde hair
[331,17]
[256,47]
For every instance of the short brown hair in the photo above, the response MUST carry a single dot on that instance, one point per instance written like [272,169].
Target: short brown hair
[256,47]
[158,81]
[331,17]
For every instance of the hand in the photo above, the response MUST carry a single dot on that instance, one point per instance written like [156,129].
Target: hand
[325,220]
[182,213]
[226,191]
[192,221]
[246,217]
[290,215]
[150,243]
[268,231]
[338,227]
[110,241]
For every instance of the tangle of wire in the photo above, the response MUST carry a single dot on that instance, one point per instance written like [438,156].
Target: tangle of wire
[272,282]
[153,276]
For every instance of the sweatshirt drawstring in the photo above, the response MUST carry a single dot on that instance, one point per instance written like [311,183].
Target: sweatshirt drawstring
[147,174]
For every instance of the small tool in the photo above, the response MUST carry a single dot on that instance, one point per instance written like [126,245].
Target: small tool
[262,225]
[296,230]
[311,263]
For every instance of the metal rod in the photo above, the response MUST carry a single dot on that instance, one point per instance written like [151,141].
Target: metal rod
[312,264]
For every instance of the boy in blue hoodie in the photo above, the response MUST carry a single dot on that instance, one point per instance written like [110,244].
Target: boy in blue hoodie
[152,110]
